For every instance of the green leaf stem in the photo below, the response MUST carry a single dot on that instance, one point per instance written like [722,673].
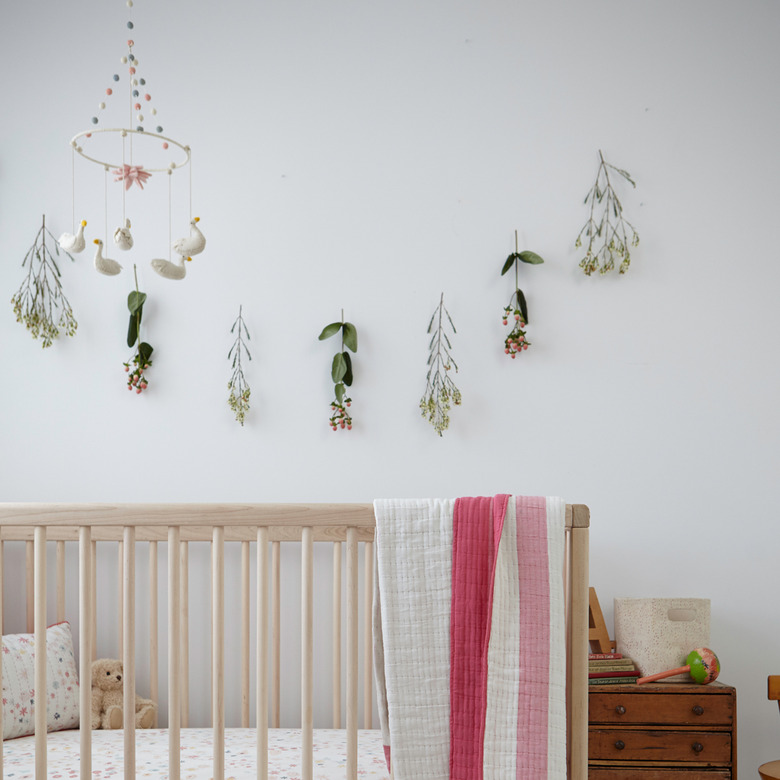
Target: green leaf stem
[350,336]
[530,257]
[339,368]
[330,330]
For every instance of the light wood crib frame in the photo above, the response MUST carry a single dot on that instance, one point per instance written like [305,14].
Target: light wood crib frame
[269,525]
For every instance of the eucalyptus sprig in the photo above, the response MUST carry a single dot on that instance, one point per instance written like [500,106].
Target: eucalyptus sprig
[609,234]
[439,388]
[141,359]
[239,389]
[517,308]
[341,371]
[40,302]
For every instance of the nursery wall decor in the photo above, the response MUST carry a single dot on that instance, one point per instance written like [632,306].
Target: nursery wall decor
[439,388]
[132,154]
[142,357]
[341,371]
[40,302]
[516,310]
[239,389]
[609,234]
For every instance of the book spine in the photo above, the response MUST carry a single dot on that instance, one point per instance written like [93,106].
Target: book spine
[602,675]
[613,681]
[605,666]
[603,656]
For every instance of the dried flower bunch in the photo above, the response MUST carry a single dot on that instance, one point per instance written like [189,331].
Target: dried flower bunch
[516,310]
[239,389]
[440,390]
[142,357]
[40,302]
[341,371]
[610,229]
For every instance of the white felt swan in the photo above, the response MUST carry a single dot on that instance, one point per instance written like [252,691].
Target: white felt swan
[104,264]
[122,237]
[171,270]
[71,243]
[194,244]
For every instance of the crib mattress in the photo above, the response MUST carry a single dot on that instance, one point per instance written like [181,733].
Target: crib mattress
[284,754]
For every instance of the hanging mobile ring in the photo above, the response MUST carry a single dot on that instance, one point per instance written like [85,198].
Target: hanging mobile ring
[123,132]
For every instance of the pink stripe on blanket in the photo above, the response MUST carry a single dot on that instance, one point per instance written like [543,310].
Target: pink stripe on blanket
[533,564]
[477,527]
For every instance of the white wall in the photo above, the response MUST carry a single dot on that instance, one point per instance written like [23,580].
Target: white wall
[369,156]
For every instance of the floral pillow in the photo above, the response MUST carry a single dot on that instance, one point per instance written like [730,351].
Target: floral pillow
[62,682]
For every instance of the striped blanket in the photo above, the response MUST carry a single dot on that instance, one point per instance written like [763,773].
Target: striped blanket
[469,637]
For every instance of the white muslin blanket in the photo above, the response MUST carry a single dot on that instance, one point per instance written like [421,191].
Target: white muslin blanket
[469,637]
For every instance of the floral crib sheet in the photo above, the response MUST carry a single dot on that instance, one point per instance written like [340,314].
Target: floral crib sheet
[284,754]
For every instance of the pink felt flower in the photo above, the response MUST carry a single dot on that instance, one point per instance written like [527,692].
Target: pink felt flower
[131,174]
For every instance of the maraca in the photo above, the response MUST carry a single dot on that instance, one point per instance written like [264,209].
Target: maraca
[702,664]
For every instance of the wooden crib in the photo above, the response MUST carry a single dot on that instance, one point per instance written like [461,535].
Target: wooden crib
[267,525]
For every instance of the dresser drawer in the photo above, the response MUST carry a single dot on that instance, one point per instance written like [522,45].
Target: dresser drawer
[654,773]
[703,747]
[677,709]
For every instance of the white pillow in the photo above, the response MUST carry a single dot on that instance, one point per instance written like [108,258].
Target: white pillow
[62,682]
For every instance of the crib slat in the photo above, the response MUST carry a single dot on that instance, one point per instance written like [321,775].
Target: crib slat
[39,550]
[174,654]
[60,581]
[2,631]
[368,595]
[185,634]
[336,627]
[218,650]
[276,589]
[154,638]
[93,606]
[578,712]
[128,648]
[120,564]
[262,654]
[85,650]
[245,634]
[352,652]
[307,653]
[30,572]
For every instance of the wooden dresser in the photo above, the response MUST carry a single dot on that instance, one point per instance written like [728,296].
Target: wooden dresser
[662,731]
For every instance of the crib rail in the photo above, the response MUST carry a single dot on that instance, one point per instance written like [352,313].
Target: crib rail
[267,525]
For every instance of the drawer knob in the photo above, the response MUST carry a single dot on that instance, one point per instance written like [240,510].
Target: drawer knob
[619,745]
[697,747]
[698,710]
[620,709]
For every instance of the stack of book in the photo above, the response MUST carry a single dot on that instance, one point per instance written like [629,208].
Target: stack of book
[611,669]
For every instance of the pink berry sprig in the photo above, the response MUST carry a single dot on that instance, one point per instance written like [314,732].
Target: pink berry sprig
[341,372]
[341,417]
[516,311]
[142,359]
[516,341]
[136,379]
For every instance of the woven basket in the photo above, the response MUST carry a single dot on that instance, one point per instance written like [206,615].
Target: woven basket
[658,634]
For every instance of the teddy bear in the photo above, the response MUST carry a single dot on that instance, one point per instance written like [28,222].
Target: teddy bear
[107,698]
